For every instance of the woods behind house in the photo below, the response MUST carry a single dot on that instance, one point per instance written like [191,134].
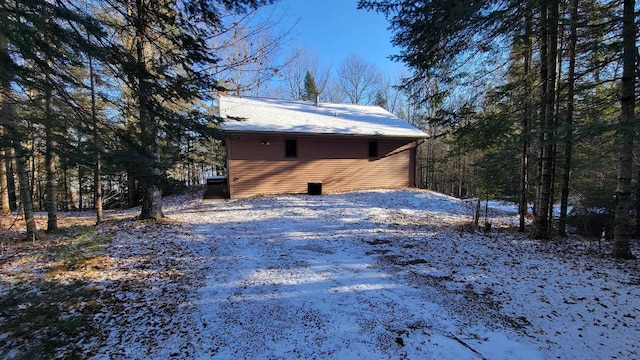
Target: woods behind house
[111,104]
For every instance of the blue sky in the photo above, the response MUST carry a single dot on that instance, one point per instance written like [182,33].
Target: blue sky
[334,29]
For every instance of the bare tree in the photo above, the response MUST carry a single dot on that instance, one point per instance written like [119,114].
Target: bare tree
[388,87]
[357,79]
[301,62]
[249,51]
[333,92]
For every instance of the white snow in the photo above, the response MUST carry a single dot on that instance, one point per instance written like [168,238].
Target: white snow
[271,115]
[364,275]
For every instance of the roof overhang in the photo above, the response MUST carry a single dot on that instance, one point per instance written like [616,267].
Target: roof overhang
[235,133]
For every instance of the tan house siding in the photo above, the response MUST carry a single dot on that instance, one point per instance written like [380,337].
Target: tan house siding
[257,164]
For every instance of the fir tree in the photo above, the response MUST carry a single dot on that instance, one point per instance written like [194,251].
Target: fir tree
[310,88]
[627,129]
[163,59]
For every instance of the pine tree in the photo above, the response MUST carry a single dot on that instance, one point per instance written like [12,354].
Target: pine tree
[310,88]
[165,78]
[44,45]
[568,125]
[381,100]
[627,129]
[549,48]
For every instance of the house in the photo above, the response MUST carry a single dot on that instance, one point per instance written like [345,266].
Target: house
[280,146]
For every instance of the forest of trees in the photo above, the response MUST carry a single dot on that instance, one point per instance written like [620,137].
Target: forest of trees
[543,89]
[111,103]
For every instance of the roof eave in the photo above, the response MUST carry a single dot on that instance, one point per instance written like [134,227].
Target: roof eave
[297,133]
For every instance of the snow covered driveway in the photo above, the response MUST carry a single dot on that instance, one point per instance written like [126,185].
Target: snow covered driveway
[369,275]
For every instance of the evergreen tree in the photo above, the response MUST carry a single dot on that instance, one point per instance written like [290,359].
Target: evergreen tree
[381,100]
[163,52]
[38,43]
[568,123]
[548,61]
[573,111]
[627,129]
[310,88]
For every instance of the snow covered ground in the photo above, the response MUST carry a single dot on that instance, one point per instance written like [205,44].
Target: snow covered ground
[369,275]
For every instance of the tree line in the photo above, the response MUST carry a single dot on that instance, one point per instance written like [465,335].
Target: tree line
[544,89]
[100,100]
[112,103]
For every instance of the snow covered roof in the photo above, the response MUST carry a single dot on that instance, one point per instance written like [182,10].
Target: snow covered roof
[287,116]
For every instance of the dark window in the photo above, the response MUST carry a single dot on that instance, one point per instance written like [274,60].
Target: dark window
[373,149]
[290,148]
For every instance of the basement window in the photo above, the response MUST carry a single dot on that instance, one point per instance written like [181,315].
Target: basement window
[291,148]
[373,149]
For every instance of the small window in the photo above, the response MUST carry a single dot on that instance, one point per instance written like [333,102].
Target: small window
[373,149]
[290,148]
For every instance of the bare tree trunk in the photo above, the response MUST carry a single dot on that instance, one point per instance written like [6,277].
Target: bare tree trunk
[11,183]
[80,189]
[23,177]
[638,205]
[97,166]
[546,150]
[49,160]
[526,123]
[5,208]
[133,198]
[25,193]
[4,186]
[544,49]
[65,202]
[556,114]
[568,137]
[151,196]
[622,227]
[8,118]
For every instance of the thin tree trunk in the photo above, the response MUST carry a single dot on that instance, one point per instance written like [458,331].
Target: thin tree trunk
[526,123]
[556,114]
[133,198]
[9,118]
[23,177]
[35,185]
[622,227]
[25,193]
[568,137]
[80,188]
[638,205]
[11,182]
[546,151]
[5,208]
[544,49]
[97,166]
[64,204]
[49,160]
